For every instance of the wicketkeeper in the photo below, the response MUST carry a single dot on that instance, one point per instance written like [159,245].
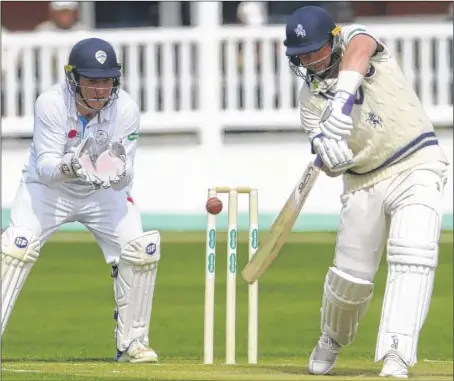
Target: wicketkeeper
[80,168]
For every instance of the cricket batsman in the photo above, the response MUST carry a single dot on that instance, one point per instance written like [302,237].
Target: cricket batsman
[365,122]
[80,168]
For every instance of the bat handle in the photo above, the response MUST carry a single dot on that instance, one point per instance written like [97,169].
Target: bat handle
[318,162]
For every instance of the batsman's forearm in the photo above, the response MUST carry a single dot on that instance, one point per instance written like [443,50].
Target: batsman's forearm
[355,63]
[357,60]
[358,53]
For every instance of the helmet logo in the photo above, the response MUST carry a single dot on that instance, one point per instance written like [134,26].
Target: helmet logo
[299,31]
[101,56]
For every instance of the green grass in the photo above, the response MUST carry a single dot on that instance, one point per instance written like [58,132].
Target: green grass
[62,325]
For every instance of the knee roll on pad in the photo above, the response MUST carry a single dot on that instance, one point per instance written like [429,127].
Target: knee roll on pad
[142,251]
[20,251]
[345,301]
[134,288]
[411,270]
[404,252]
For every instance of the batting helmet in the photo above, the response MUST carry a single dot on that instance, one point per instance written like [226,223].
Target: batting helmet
[307,30]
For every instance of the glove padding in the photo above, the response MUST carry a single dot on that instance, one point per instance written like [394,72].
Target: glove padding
[77,164]
[336,155]
[335,122]
[111,164]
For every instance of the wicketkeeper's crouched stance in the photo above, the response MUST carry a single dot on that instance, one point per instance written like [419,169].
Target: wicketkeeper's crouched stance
[365,121]
[80,168]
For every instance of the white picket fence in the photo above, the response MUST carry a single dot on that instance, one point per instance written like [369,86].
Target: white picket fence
[229,77]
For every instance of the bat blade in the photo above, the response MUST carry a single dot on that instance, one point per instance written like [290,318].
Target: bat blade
[271,245]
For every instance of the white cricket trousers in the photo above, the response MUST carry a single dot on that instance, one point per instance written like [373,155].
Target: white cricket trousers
[108,214]
[408,205]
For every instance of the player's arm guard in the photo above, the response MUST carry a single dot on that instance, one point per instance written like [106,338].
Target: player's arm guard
[20,251]
[310,122]
[134,288]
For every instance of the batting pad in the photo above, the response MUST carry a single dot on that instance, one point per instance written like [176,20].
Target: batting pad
[345,301]
[411,271]
[20,251]
[134,288]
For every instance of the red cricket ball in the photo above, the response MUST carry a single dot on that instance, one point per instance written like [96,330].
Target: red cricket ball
[213,205]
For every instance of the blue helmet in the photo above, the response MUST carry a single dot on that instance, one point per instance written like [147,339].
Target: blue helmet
[93,58]
[307,30]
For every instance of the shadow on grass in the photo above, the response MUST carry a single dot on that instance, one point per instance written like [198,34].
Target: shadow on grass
[354,372]
[296,369]
[59,359]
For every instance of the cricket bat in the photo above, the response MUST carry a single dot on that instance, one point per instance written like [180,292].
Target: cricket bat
[269,248]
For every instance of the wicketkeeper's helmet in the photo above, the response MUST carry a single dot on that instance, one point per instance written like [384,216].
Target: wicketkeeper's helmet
[93,58]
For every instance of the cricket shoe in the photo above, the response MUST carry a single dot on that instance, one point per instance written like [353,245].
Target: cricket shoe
[137,352]
[394,366]
[324,356]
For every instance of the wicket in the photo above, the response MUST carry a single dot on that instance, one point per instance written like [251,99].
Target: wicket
[210,254]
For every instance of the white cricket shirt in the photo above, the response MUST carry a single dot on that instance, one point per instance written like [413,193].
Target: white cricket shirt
[58,128]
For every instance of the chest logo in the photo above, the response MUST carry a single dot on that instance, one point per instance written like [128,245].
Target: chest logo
[101,137]
[73,134]
[374,120]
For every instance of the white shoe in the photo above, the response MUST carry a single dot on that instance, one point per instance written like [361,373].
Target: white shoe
[137,352]
[394,366]
[324,356]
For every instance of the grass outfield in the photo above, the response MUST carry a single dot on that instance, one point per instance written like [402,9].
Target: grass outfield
[62,325]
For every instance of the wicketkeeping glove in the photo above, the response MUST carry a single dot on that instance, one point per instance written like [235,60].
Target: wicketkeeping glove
[111,164]
[77,164]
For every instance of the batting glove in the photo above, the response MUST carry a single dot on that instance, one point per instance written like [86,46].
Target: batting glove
[336,122]
[336,155]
